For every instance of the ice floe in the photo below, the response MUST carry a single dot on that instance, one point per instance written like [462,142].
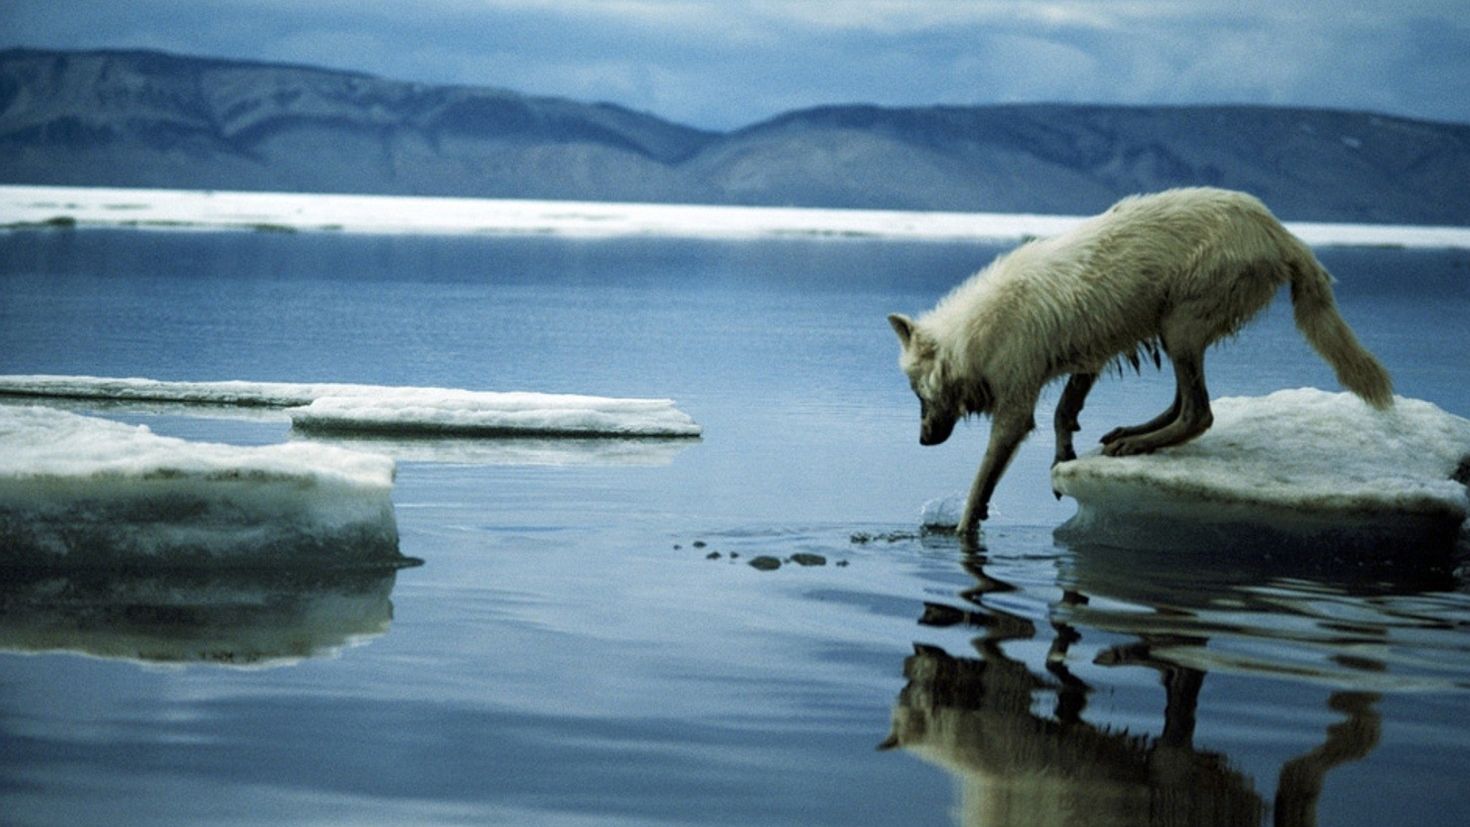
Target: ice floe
[33,206]
[80,491]
[378,409]
[413,410]
[231,392]
[1304,465]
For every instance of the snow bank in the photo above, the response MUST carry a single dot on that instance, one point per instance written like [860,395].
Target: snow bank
[23,206]
[412,410]
[251,618]
[389,410]
[1297,464]
[81,491]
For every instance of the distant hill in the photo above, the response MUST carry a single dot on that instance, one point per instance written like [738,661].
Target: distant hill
[130,118]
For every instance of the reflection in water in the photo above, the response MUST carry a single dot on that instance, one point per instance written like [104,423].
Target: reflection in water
[1379,623]
[1018,764]
[239,618]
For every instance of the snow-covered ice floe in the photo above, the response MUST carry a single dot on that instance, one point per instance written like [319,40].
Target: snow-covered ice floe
[1297,466]
[390,410]
[430,411]
[241,618]
[39,206]
[231,392]
[78,491]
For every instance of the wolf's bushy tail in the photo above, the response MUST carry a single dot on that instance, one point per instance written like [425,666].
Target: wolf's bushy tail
[1315,309]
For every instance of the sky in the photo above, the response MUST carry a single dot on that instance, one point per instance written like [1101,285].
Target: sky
[723,65]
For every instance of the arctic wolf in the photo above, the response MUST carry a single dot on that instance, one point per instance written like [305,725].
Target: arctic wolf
[1170,272]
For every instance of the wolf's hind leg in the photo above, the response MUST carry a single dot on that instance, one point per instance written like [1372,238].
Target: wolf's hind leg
[1194,416]
[1169,415]
[1074,395]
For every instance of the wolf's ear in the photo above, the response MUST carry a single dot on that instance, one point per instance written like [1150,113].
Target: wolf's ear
[903,326]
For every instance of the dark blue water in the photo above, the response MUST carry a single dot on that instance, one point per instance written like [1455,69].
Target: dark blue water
[568,654]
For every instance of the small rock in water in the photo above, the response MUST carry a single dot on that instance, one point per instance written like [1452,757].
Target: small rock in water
[765,563]
[804,559]
[863,538]
[699,544]
[714,555]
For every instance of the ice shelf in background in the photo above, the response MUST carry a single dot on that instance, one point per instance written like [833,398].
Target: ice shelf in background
[34,206]
[79,491]
[1298,464]
[340,407]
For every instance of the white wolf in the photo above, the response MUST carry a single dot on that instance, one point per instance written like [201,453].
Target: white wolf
[1170,272]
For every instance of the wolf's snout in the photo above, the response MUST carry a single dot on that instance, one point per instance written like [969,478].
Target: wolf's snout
[935,434]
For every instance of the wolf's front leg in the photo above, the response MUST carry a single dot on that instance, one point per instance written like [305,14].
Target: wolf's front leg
[1074,395]
[1006,434]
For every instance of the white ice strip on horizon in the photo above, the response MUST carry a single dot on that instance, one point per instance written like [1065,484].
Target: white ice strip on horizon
[83,491]
[384,409]
[22,206]
[427,411]
[1305,462]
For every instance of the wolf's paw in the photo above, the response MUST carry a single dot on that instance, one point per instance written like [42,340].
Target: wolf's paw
[1126,447]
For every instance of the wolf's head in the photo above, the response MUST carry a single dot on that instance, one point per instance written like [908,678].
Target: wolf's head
[939,406]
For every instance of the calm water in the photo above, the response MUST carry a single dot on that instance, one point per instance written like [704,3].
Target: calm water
[573,650]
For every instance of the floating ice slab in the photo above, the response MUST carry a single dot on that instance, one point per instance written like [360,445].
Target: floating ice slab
[1297,464]
[429,411]
[379,409]
[81,491]
[247,394]
[32,206]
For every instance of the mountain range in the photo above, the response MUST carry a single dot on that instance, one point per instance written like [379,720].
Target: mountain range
[149,119]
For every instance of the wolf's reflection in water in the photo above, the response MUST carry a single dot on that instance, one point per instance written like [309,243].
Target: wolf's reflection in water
[983,720]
